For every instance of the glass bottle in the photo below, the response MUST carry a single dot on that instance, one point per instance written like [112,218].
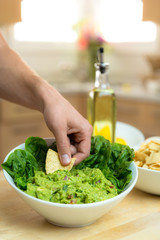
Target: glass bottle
[102,102]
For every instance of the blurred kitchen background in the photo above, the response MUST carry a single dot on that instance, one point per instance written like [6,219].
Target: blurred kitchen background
[59,39]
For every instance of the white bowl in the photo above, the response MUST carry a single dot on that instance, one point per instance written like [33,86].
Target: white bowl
[133,136]
[154,138]
[148,180]
[68,215]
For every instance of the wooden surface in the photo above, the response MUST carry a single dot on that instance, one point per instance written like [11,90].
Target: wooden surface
[137,217]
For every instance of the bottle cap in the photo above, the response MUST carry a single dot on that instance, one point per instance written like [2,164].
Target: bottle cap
[101,65]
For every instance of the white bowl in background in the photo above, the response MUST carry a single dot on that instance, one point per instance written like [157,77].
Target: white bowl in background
[148,179]
[133,136]
[72,215]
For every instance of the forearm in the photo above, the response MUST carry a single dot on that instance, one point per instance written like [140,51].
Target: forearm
[18,83]
[17,90]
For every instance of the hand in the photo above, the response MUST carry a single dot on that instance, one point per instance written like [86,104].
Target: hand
[68,127]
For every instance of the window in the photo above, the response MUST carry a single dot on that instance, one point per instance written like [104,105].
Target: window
[47,21]
[121,21]
[52,20]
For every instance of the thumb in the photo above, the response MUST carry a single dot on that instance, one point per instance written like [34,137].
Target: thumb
[63,146]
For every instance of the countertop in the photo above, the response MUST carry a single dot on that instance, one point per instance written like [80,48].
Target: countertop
[128,91]
[137,217]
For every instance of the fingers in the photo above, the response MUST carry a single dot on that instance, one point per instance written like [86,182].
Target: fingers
[63,146]
[83,144]
[83,150]
[73,150]
[80,150]
[63,154]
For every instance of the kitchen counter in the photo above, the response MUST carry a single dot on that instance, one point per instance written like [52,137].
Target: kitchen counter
[127,91]
[136,217]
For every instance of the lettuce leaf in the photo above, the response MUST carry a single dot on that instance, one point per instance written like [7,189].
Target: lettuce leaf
[38,148]
[22,164]
[112,159]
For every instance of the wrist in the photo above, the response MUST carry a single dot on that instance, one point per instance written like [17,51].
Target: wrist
[45,93]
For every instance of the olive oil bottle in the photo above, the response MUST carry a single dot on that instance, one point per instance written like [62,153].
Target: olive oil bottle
[102,102]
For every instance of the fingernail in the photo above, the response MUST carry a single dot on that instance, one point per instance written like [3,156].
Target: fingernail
[65,159]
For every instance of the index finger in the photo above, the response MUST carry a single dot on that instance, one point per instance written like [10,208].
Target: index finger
[83,150]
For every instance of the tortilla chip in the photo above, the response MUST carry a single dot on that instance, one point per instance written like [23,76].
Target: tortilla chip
[155,167]
[140,156]
[146,166]
[156,141]
[153,146]
[153,158]
[138,163]
[53,162]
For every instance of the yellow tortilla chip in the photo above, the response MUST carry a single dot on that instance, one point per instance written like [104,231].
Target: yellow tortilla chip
[53,162]
[143,147]
[156,141]
[138,163]
[155,167]
[140,156]
[145,166]
[153,158]
[154,146]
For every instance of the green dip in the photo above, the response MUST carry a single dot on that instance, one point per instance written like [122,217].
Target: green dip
[74,187]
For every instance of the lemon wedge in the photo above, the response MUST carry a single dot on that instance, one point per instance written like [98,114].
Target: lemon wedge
[106,133]
[121,141]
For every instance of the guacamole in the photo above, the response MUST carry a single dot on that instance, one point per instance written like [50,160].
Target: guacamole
[72,187]
[102,175]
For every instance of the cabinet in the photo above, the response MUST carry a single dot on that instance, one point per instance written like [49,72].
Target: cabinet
[142,114]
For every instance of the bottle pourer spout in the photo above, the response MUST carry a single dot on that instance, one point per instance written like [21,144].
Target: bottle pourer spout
[101,65]
[101,51]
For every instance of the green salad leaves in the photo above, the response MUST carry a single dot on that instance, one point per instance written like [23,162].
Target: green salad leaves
[38,148]
[22,164]
[112,159]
